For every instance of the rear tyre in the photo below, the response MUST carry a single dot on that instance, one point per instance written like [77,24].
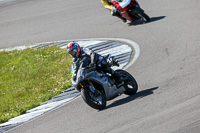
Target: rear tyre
[130,85]
[93,100]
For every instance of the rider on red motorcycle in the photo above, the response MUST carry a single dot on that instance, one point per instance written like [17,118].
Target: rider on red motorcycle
[114,10]
[129,10]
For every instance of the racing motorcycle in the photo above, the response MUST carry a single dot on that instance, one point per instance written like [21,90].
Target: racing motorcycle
[131,12]
[97,87]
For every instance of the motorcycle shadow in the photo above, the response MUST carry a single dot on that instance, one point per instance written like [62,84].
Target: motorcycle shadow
[128,99]
[139,22]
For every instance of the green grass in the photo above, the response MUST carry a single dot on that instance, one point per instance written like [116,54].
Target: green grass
[30,77]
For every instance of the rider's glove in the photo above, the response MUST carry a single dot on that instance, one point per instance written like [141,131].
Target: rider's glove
[115,62]
[113,11]
[92,65]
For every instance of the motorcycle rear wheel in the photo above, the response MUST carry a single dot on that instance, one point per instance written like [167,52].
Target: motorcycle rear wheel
[130,85]
[96,102]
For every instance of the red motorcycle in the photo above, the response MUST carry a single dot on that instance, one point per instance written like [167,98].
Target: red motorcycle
[130,10]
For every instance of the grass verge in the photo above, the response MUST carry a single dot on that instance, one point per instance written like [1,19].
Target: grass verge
[30,77]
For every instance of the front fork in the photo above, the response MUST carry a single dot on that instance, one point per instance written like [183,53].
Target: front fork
[133,12]
[92,88]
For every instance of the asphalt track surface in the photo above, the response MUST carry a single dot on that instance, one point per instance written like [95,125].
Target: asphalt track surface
[167,70]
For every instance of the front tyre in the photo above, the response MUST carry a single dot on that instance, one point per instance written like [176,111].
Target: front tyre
[130,84]
[96,101]
[141,14]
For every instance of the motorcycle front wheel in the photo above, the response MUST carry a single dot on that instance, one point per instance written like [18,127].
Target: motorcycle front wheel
[138,12]
[96,101]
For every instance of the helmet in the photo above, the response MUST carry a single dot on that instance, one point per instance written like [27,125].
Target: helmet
[73,49]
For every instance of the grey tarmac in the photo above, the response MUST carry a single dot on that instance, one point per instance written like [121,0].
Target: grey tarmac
[167,69]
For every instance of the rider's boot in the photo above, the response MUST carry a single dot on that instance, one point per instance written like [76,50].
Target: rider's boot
[118,78]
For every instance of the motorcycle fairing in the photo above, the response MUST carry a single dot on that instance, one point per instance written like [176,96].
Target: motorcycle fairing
[110,90]
[122,6]
[125,11]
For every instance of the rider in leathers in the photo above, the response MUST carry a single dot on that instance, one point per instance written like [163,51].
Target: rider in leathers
[113,10]
[89,58]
